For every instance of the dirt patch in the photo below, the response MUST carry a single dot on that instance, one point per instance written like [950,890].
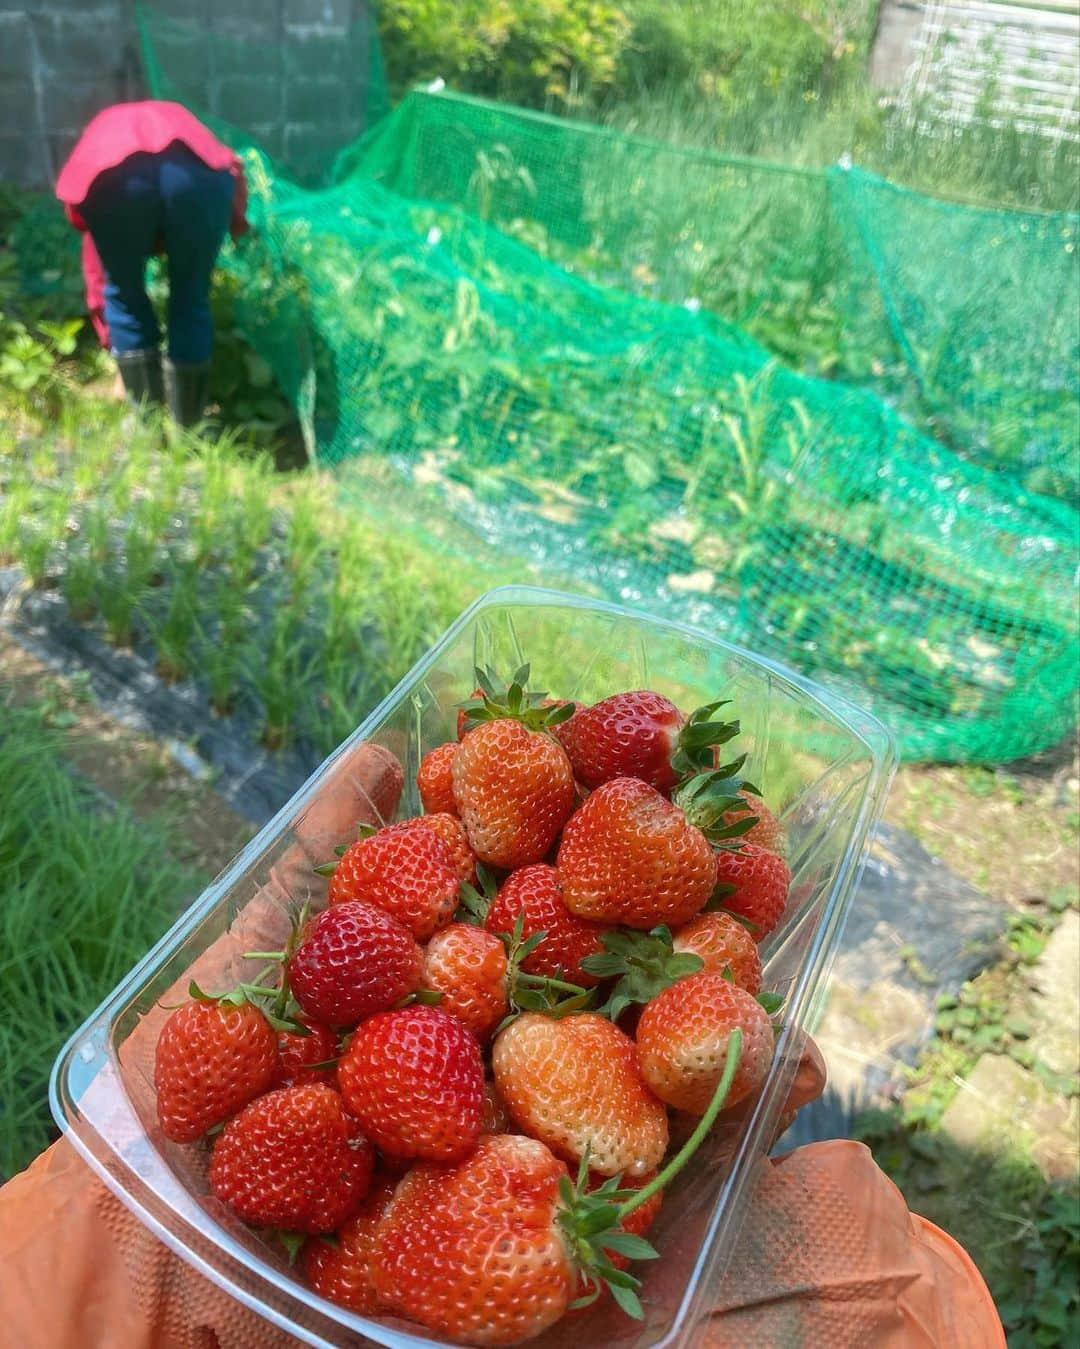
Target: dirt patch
[137,770]
[1013,831]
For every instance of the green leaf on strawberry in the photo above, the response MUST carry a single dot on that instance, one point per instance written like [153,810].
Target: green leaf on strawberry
[645,963]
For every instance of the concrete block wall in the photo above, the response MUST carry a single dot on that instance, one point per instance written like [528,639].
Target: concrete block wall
[282,70]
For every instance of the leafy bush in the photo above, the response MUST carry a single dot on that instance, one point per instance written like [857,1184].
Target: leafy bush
[525,51]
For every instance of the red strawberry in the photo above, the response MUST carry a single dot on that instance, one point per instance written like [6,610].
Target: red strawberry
[724,944]
[342,1271]
[682,1041]
[767,832]
[641,734]
[491,1251]
[352,960]
[414,1078]
[292,1159]
[468,967]
[475,1252]
[435,779]
[630,856]
[574,1084]
[211,1059]
[452,832]
[297,1053]
[534,894]
[632,735]
[514,791]
[407,869]
[761,880]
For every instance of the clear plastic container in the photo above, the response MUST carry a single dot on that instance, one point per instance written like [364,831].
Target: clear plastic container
[823,764]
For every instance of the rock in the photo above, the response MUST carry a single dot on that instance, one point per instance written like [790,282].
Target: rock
[1003,1107]
[1056,982]
[915,930]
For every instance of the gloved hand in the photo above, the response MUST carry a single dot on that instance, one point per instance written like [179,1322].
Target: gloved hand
[829,1254]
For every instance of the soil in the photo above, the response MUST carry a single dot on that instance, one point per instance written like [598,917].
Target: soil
[135,769]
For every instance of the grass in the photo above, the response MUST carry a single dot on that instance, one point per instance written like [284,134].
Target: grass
[279,601]
[85,889]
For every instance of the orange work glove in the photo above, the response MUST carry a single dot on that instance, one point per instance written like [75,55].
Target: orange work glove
[829,1254]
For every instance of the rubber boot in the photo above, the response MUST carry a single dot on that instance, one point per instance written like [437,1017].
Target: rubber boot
[187,388]
[141,372]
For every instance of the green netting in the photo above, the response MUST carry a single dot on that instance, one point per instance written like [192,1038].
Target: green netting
[461,302]
[299,98]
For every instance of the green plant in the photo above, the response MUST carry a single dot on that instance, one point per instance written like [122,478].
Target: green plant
[85,889]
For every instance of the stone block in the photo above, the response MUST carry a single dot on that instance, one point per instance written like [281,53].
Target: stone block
[245,102]
[83,43]
[21,160]
[70,104]
[314,101]
[184,61]
[1003,1107]
[322,58]
[317,13]
[15,46]
[1055,1014]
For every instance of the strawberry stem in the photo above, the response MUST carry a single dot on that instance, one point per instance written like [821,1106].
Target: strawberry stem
[663,1178]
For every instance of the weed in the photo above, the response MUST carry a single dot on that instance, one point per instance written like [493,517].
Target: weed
[84,891]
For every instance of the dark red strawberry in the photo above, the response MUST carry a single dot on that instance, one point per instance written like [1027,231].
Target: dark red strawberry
[414,1078]
[760,881]
[641,734]
[353,959]
[292,1159]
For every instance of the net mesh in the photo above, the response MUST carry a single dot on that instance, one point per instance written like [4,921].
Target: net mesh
[833,418]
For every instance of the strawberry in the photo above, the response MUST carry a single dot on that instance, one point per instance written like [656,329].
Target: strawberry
[468,966]
[641,734]
[630,856]
[493,1250]
[759,882]
[513,784]
[474,1252]
[299,1052]
[452,832]
[435,779]
[724,944]
[535,895]
[212,1057]
[352,960]
[514,791]
[574,1084]
[342,1270]
[292,1159]
[683,1035]
[767,831]
[414,1078]
[407,869]
[631,734]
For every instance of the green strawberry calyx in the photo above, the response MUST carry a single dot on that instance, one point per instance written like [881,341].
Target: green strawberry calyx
[700,734]
[475,900]
[527,992]
[591,1221]
[645,963]
[496,701]
[706,798]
